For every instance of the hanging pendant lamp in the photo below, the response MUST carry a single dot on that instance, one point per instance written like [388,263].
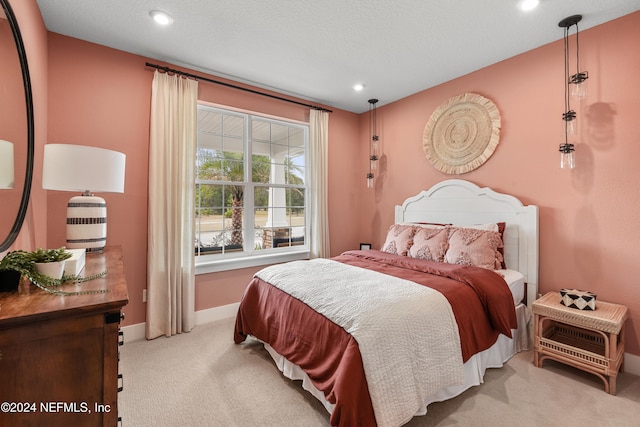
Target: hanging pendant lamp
[574,86]
[373,143]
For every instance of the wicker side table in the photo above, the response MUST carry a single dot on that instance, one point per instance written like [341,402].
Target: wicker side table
[589,340]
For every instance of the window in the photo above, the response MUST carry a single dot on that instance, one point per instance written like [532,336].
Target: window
[251,190]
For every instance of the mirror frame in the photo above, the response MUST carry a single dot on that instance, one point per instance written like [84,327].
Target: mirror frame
[26,80]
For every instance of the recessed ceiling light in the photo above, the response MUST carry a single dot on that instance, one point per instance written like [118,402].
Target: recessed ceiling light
[162,18]
[529,4]
[358,87]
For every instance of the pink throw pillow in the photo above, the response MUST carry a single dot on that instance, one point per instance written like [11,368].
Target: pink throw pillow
[430,243]
[470,246]
[399,239]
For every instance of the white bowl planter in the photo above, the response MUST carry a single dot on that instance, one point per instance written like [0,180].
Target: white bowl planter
[50,269]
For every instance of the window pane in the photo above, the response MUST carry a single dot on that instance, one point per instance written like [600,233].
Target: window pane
[216,130]
[279,217]
[233,126]
[295,170]
[209,129]
[292,233]
[205,164]
[260,168]
[220,152]
[295,199]
[283,146]
[280,133]
[233,167]
[298,225]
[261,198]
[296,137]
[260,130]
[219,218]
[296,213]
[262,148]
[279,237]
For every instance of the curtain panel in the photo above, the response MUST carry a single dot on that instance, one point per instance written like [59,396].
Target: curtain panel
[170,257]
[319,155]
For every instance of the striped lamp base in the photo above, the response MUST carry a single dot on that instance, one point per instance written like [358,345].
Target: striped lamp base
[87,223]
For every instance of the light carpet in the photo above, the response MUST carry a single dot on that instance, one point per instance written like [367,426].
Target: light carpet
[203,379]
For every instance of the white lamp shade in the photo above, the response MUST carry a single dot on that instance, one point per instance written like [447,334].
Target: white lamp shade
[85,169]
[81,168]
[6,164]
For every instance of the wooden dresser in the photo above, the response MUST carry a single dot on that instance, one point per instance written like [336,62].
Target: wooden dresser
[59,354]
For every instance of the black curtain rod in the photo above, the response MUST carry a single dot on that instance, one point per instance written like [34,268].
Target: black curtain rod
[193,76]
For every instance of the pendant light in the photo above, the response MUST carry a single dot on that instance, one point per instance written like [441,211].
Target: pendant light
[373,143]
[574,86]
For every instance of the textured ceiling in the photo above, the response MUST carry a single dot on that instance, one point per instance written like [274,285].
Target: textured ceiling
[318,49]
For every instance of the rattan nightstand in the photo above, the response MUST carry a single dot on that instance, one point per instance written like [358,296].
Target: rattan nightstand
[589,340]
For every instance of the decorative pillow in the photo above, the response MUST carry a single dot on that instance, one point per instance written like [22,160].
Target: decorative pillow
[494,226]
[430,243]
[399,239]
[472,246]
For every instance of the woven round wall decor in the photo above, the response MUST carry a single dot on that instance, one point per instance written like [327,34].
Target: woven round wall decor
[462,133]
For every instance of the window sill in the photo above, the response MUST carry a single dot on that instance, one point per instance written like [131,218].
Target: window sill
[225,264]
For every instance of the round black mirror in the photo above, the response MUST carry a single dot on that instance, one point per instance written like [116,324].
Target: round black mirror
[16,128]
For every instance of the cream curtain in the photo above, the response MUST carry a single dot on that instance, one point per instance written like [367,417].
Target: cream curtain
[170,258]
[319,154]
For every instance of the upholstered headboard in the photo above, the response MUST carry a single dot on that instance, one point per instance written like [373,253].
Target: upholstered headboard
[461,202]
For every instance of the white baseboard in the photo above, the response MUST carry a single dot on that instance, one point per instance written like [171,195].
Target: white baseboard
[632,364]
[137,332]
[133,332]
[217,313]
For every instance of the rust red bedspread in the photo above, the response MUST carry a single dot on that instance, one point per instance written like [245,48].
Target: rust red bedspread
[481,302]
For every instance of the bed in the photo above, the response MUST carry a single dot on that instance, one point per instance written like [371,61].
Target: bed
[378,335]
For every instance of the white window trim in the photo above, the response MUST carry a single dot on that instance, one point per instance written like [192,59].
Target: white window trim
[209,265]
[205,264]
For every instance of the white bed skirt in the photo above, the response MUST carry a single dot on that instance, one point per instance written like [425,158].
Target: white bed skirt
[474,368]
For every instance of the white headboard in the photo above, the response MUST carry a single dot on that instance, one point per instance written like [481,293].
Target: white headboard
[461,202]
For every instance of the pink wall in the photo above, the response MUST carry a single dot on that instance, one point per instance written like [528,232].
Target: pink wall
[589,226]
[100,96]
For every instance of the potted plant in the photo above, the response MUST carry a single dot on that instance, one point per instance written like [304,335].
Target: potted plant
[50,262]
[32,265]
[13,266]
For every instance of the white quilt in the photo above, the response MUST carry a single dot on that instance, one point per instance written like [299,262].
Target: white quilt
[406,333]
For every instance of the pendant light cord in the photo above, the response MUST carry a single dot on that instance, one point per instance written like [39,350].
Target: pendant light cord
[567,105]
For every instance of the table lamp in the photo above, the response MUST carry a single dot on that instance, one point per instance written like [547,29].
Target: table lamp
[6,165]
[86,169]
